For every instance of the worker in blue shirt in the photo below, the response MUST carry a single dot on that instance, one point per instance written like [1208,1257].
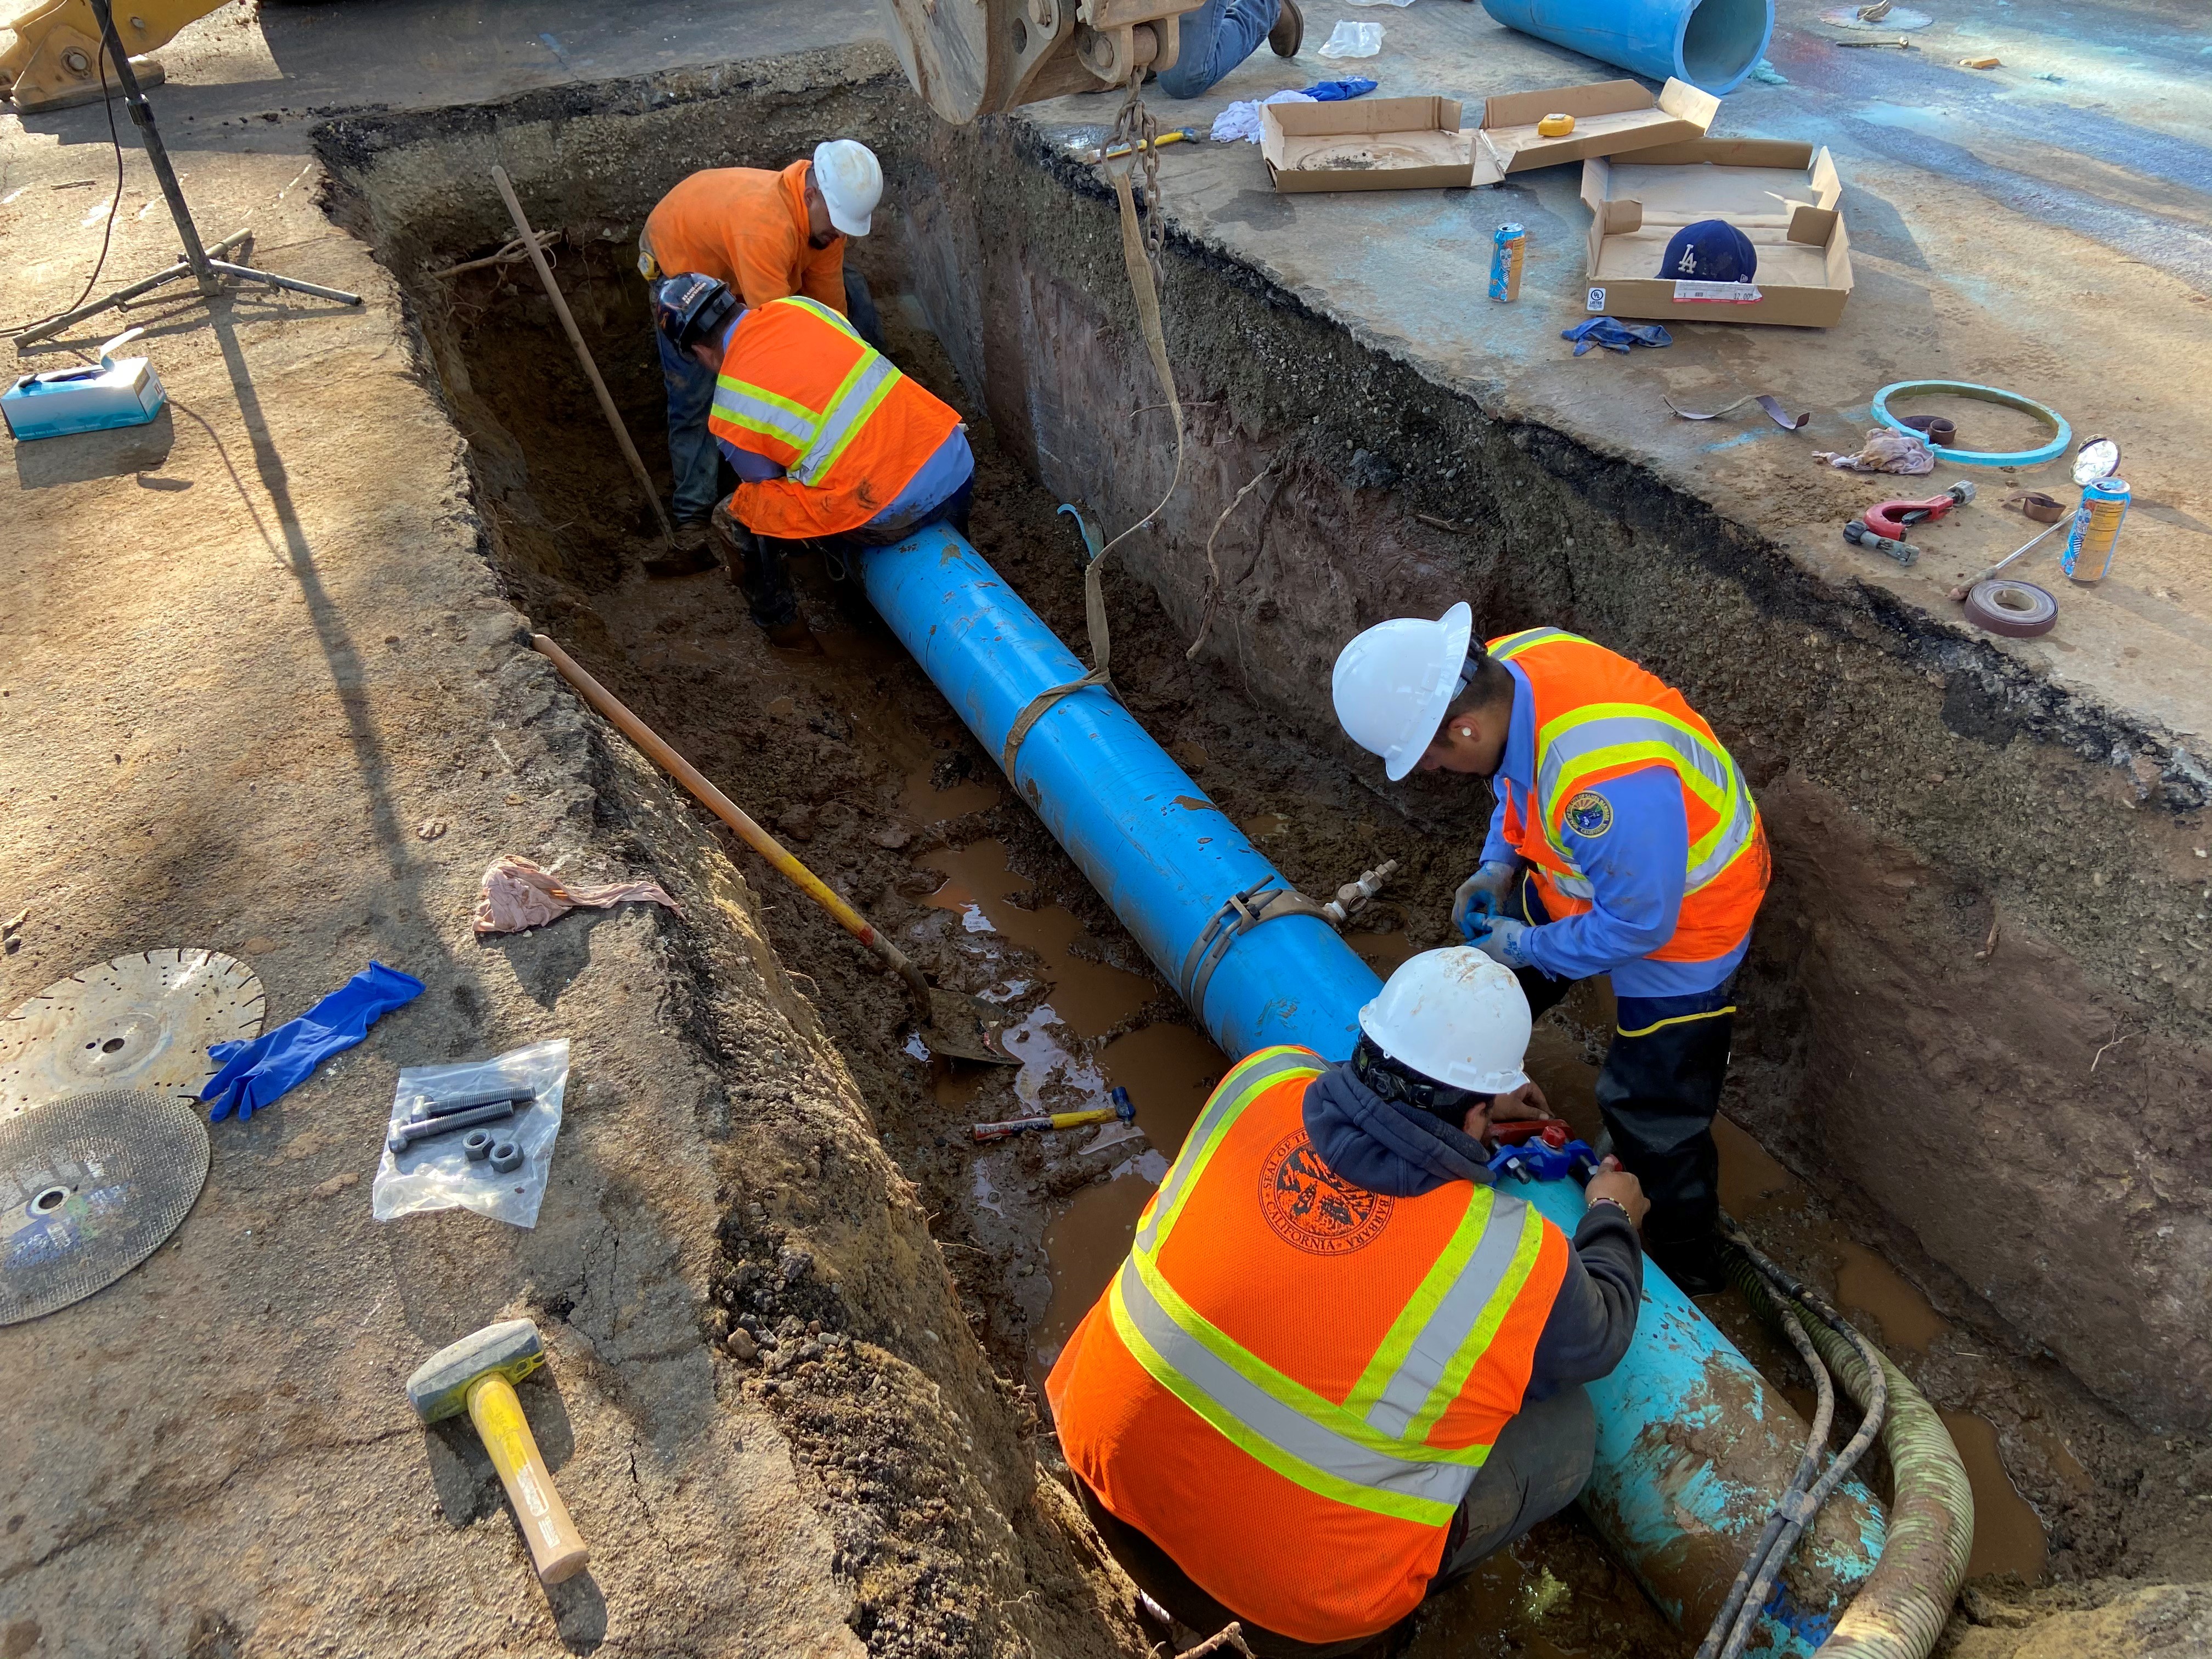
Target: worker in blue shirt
[1624,842]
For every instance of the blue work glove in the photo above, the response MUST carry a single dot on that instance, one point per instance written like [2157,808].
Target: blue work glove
[1615,335]
[1505,943]
[1483,895]
[1333,92]
[255,1073]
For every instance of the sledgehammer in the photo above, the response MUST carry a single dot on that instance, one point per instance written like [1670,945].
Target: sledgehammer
[478,1375]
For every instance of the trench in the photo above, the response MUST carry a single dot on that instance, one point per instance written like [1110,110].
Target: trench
[853,758]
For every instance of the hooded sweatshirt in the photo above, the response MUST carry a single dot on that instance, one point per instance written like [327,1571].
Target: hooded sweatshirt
[1387,1146]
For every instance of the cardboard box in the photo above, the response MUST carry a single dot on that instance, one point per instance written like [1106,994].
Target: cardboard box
[1610,117]
[1367,144]
[1782,196]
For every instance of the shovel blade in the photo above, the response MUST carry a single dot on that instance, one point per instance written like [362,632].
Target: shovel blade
[966,1028]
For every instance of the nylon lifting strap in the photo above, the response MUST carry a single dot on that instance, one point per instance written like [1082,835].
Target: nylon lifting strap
[1370,1452]
[1135,123]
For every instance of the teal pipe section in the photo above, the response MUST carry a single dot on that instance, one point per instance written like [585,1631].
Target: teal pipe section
[1712,44]
[1693,1446]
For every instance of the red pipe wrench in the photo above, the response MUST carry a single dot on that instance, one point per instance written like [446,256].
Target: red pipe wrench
[1892,518]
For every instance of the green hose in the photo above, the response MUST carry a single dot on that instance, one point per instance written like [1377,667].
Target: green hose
[1902,1607]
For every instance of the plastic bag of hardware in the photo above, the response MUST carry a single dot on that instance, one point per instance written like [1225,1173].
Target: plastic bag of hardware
[476,1136]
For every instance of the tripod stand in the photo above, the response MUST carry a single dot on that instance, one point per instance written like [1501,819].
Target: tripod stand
[201,264]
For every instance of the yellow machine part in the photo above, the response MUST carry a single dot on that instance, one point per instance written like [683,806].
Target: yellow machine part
[53,60]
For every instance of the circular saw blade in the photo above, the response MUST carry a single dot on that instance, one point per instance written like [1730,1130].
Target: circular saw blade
[139,1022]
[89,1188]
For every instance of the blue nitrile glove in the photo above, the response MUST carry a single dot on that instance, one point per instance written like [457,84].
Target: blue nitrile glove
[1483,895]
[254,1074]
[1615,335]
[1332,92]
[1502,942]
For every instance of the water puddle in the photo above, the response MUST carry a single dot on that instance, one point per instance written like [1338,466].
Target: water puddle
[2008,1535]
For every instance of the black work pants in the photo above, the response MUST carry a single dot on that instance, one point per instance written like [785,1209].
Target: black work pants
[1658,1090]
[1538,1466]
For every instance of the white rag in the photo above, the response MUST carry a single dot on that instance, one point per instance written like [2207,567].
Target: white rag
[1886,451]
[518,894]
[1242,120]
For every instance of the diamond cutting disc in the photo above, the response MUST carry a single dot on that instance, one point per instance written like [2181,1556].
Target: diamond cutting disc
[141,1022]
[89,1188]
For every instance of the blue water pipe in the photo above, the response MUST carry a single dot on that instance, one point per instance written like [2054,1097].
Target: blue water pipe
[1712,44]
[1694,1446]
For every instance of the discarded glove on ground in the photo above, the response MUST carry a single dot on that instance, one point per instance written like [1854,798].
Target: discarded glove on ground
[1886,452]
[517,894]
[1615,335]
[256,1073]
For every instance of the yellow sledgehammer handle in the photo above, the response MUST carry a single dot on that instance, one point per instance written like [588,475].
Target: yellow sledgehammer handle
[557,1548]
[734,815]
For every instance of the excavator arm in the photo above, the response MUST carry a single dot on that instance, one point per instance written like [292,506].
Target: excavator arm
[49,49]
[971,57]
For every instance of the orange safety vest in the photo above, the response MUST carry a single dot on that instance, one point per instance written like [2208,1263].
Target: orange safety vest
[1598,715]
[799,386]
[1291,1382]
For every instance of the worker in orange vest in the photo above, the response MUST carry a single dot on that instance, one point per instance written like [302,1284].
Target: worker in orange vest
[1339,1366]
[830,443]
[1625,841]
[764,236]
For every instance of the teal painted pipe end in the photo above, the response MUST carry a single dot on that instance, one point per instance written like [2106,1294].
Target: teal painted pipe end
[1712,44]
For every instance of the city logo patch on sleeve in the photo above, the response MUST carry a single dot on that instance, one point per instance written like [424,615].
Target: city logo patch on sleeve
[1590,815]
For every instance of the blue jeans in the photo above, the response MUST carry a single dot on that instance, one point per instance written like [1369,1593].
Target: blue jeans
[1216,38]
[692,454]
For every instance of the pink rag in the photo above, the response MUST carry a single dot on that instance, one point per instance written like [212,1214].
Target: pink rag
[517,894]
[1886,452]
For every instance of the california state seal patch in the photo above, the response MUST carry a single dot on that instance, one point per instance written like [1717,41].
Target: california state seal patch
[1311,1207]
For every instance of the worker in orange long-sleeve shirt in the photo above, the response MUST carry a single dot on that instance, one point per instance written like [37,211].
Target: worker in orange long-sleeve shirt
[766,236]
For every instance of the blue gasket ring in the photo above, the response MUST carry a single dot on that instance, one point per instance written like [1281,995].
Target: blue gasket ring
[1988,394]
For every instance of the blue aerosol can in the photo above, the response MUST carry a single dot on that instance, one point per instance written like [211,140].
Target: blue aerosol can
[2095,532]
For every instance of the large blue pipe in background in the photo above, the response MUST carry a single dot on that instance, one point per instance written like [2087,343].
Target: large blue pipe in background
[1694,1446]
[1712,44]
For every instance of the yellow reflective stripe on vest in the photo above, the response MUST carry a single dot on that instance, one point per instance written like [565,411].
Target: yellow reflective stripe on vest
[1286,1426]
[1514,644]
[1447,1325]
[1239,1087]
[829,314]
[1599,737]
[755,408]
[865,387]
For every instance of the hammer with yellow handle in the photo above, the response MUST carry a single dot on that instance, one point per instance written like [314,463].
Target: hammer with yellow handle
[478,1375]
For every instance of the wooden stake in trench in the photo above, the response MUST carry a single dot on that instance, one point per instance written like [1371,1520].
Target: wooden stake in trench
[583,352]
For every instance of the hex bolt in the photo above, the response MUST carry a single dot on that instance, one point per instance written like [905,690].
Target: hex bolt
[407,1134]
[506,1155]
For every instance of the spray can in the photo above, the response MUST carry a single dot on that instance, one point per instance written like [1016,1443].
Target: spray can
[1508,246]
[2096,531]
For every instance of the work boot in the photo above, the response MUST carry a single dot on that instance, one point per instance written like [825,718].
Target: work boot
[1290,31]
[688,554]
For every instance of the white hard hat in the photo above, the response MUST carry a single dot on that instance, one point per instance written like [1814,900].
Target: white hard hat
[1454,1015]
[851,182]
[1394,683]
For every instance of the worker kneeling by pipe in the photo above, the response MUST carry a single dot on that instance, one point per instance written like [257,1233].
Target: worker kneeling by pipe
[830,443]
[1340,1367]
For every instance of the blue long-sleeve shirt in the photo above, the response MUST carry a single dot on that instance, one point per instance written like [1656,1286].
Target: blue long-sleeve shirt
[1635,862]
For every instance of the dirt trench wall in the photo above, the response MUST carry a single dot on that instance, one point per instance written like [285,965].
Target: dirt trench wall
[1976,993]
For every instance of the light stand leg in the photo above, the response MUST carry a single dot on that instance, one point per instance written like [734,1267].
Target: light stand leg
[204,264]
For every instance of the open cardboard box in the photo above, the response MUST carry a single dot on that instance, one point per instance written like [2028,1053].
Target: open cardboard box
[1610,117]
[1367,144]
[1781,195]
